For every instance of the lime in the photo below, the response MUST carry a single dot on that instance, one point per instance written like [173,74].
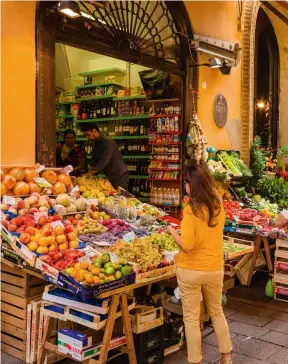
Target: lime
[109,271]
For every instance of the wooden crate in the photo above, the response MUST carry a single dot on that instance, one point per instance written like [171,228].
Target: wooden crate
[145,318]
[19,283]
[281,292]
[18,289]
[243,267]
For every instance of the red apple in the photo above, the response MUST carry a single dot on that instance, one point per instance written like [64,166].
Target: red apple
[19,220]
[12,227]
[5,223]
[23,212]
[42,220]
[20,205]
[57,218]
[30,222]
[33,210]
[47,230]
[68,229]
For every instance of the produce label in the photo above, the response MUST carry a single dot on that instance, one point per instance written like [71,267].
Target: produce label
[67,170]
[129,236]
[93,201]
[9,200]
[37,215]
[57,207]
[74,190]
[42,182]
[40,168]
[113,257]
[54,224]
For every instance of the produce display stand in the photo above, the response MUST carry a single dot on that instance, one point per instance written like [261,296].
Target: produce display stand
[280,279]
[118,297]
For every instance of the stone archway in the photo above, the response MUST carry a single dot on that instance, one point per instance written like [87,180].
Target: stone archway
[248,19]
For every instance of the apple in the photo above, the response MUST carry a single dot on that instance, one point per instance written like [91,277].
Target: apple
[72,236]
[57,218]
[12,227]
[43,220]
[30,222]
[42,250]
[51,240]
[33,210]
[67,222]
[47,230]
[33,200]
[68,229]
[43,208]
[19,220]
[24,238]
[20,205]
[59,230]
[33,246]
[73,244]
[5,223]
[43,241]
[61,239]
[63,246]
[23,212]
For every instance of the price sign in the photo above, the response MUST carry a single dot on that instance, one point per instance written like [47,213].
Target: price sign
[67,170]
[54,224]
[57,207]
[40,168]
[93,201]
[42,182]
[6,235]
[9,200]
[129,236]
[113,257]
[37,215]
[74,190]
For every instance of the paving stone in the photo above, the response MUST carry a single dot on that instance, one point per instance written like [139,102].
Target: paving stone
[276,338]
[281,357]
[280,316]
[233,304]
[250,319]
[210,353]
[277,325]
[8,359]
[212,339]
[242,359]
[229,312]
[248,330]
[254,348]
[256,311]
[206,331]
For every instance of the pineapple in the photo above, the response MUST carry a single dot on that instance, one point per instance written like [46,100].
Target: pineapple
[132,214]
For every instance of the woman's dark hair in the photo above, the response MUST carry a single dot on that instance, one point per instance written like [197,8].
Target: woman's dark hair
[203,193]
[69,131]
[89,127]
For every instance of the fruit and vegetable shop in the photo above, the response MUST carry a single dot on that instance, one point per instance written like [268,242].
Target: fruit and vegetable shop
[88,267]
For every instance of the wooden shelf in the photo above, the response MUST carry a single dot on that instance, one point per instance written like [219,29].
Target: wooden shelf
[164,100]
[115,118]
[124,98]
[104,71]
[164,116]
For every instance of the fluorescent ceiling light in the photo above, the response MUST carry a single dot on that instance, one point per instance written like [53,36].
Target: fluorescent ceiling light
[87,15]
[69,8]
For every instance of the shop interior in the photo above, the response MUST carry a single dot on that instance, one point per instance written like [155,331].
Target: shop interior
[139,107]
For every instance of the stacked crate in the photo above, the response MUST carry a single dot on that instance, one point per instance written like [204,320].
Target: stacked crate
[20,292]
[281,271]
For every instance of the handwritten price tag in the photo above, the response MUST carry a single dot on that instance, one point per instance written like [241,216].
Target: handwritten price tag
[42,182]
[67,170]
[37,215]
[129,236]
[57,207]
[9,200]
[54,224]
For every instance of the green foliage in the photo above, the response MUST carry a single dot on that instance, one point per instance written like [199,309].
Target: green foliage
[275,189]
[257,162]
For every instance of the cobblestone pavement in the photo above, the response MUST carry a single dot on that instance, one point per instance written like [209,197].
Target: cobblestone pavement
[258,326]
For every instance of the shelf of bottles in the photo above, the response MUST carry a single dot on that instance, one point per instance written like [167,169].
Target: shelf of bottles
[165,164]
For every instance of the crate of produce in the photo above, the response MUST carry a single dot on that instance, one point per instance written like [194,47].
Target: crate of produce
[234,247]
[145,318]
[281,249]
[174,329]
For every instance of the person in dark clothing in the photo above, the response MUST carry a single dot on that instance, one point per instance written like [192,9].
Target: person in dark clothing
[69,153]
[106,157]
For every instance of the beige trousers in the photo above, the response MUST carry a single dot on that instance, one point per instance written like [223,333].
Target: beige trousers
[191,283]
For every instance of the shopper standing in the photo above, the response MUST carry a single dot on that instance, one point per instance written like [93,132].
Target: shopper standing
[106,157]
[200,263]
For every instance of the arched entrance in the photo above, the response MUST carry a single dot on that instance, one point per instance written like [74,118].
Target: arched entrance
[248,83]
[146,33]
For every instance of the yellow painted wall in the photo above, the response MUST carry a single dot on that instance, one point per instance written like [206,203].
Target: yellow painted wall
[18,82]
[216,19]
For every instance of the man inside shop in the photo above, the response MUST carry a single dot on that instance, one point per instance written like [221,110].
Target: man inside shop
[106,157]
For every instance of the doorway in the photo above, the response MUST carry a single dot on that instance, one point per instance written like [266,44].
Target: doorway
[266,87]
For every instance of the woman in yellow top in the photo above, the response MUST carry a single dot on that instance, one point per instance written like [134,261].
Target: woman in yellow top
[200,263]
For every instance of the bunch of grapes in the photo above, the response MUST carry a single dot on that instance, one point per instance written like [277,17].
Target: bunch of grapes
[164,241]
